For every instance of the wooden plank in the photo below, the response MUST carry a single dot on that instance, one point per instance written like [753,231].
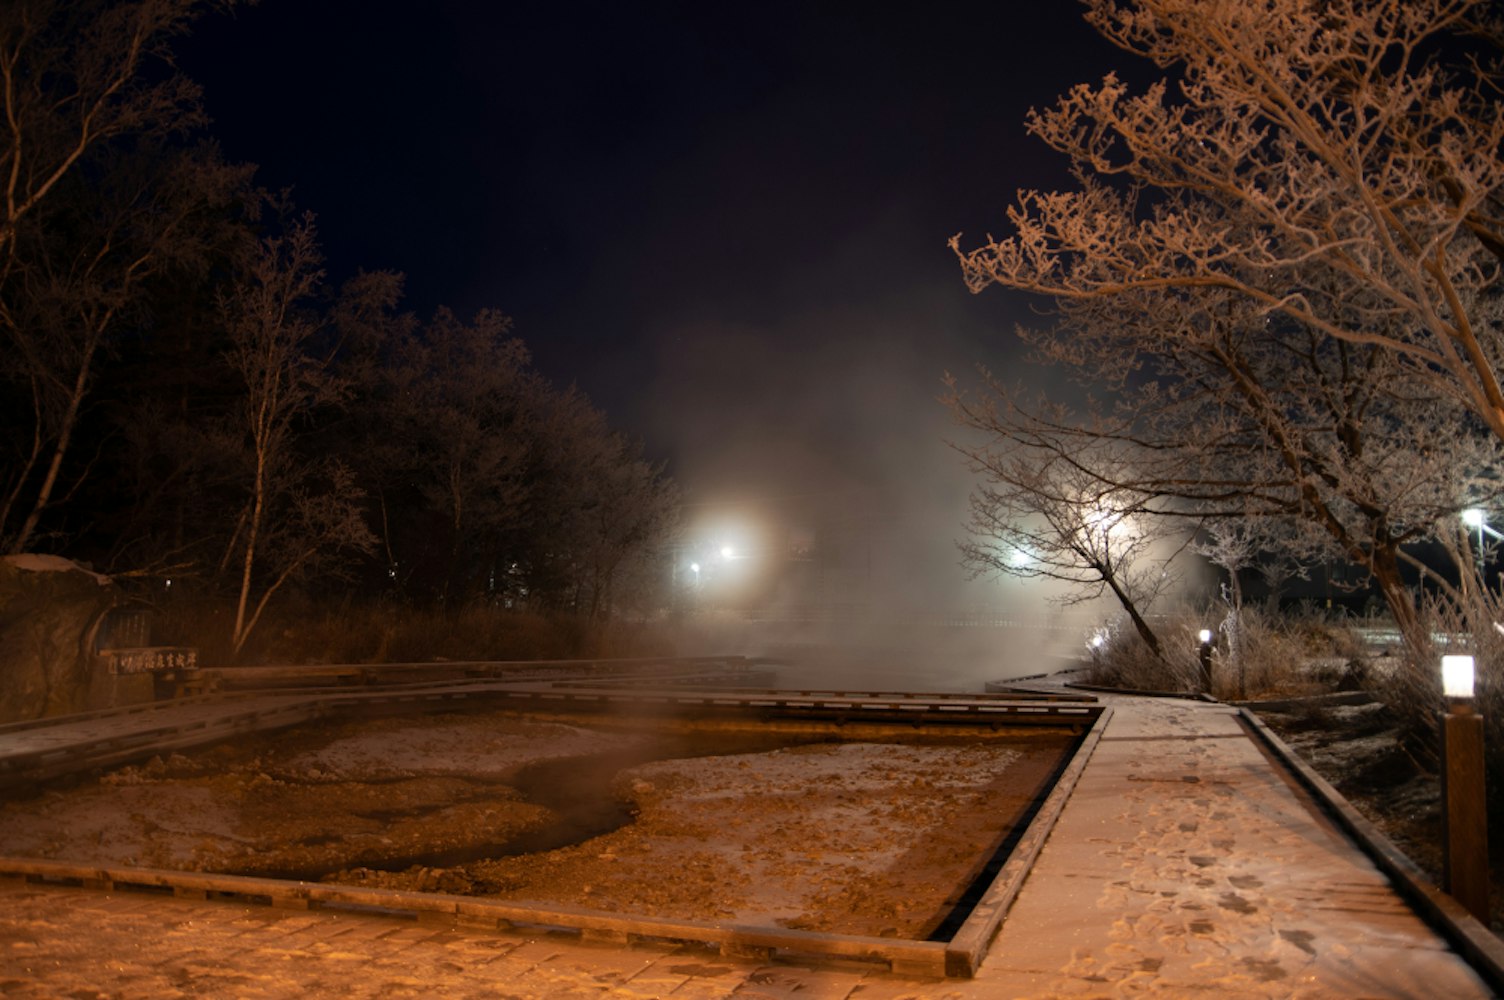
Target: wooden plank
[968,946]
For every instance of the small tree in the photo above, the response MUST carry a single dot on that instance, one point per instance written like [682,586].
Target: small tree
[297,509]
[1045,511]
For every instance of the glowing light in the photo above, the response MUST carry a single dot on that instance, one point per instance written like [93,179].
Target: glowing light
[728,552]
[1205,635]
[1457,676]
[1472,517]
[694,567]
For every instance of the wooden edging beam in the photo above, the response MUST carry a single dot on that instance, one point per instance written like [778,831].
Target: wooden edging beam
[761,943]
[108,751]
[967,948]
[1475,942]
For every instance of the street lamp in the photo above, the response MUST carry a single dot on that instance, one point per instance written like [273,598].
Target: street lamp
[1462,789]
[1473,518]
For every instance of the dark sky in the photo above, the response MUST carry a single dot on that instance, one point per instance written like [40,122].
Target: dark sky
[726,223]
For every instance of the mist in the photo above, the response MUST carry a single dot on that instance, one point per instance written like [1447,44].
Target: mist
[816,442]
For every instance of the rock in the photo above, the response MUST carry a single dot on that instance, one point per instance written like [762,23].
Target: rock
[50,611]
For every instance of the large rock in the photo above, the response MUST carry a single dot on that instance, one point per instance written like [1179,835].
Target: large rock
[50,612]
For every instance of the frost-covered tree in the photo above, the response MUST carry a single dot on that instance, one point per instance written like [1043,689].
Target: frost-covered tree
[1301,153]
[1207,417]
[1281,264]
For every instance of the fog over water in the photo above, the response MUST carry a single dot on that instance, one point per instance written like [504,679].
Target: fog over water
[823,463]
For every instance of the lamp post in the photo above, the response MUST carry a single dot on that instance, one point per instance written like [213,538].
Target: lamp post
[1473,518]
[1465,813]
[1205,657]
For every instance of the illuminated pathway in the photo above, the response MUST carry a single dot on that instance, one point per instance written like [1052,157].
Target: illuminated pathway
[1185,864]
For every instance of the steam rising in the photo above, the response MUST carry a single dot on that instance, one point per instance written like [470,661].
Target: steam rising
[820,435]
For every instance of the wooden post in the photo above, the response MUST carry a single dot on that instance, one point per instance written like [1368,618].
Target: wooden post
[1465,814]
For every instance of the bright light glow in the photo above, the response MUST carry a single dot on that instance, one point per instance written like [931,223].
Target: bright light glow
[728,552]
[1018,557]
[1472,517]
[1206,636]
[694,567]
[1107,526]
[1457,676]
[1097,640]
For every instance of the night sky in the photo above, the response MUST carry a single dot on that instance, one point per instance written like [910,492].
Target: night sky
[727,224]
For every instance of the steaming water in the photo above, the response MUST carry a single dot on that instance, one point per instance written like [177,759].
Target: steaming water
[578,791]
[914,657]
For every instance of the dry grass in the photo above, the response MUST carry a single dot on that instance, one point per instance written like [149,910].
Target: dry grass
[383,633]
[1276,657]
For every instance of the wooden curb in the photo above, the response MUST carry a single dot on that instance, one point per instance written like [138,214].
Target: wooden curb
[1476,943]
[912,958]
[967,948]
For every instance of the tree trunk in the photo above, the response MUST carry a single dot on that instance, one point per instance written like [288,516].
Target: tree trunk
[1139,625]
[253,530]
[55,465]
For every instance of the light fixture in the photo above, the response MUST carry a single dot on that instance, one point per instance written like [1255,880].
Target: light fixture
[1472,517]
[1457,676]
[1205,636]
[1465,801]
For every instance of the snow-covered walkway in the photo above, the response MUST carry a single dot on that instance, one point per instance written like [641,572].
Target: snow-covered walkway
[1186,863]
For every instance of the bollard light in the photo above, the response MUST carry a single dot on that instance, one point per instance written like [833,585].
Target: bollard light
[1465,805]
[1457,676]
[1204,657]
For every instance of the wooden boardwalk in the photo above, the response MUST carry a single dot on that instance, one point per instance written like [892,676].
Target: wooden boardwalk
[1185,862]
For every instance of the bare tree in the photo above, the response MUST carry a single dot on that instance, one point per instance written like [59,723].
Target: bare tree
[73,287]
[297,509]
[627,511]
[72,81]
[594,507]
[463,402]
[84,222]
[1050,512]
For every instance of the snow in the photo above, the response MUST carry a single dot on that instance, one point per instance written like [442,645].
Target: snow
[35,562]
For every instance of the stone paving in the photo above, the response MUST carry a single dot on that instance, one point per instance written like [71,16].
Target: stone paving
[1184,865]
